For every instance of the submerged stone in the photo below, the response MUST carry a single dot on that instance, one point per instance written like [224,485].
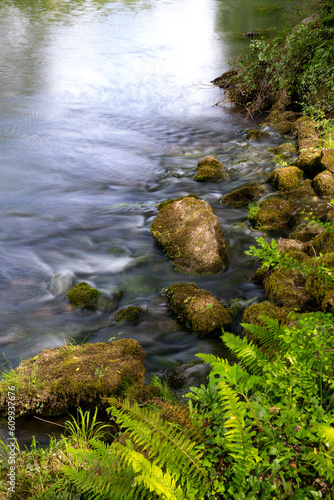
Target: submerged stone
[83,296]
[190,234]
[256,135]
[210,169]
[286,178]
[197,308]
[245,194]
[131,314]
[286,148]
[61,378]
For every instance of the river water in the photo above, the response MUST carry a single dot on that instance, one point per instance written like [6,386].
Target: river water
[105,109]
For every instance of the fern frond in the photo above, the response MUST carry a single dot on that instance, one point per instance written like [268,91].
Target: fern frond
[246,351]
[150,475]
[99,473]
[324,465]
[238,437]
[269,335]
[166,445]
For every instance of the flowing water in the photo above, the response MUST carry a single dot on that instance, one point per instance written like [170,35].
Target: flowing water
[105,109]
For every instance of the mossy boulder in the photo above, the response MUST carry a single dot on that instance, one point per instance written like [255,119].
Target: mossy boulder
[287,245]
[256,135]
[286,148]
[322,243]
[252,314]
[274,213]
[64,377]
[285,289]
[130,314]
[301,193]
[286,178]
[84,296]
[190,234]
[327,159]
[309,161]
[197,308]
[306,232]
[210,169]
[323,183]
[318,285]
[304,128]
[245,194]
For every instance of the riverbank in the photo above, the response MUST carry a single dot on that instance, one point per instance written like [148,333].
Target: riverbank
[256,432]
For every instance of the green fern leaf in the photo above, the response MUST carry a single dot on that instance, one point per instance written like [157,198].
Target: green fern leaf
[246,351]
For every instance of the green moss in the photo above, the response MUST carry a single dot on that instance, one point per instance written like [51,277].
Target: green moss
[131,314]
[83,296]
[323,183]
[256,135]
[286,148]
[266,308]
[197,308]
[245,194]
[210,169]
[319,288]
[323,243]
[303,192]
[169,202]
[72,375]
[284,289]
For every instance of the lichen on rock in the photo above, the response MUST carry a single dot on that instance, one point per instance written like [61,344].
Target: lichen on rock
[210,169]
[190,234]
[75,375]
[197,308]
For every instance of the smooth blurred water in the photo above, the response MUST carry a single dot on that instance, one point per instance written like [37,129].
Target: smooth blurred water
[105,109]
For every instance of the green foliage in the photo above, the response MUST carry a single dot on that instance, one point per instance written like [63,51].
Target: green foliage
[272,412]
[298,61]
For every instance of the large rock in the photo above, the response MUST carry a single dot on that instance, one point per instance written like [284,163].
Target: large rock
[197,308]
[286,178]
[190,234]
[74,375]
[210,169]
[245,194]
[327,159]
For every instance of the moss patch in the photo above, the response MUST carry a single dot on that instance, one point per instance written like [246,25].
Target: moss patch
[256,135]
[83,296]
[266,308]
[197,308]
[319,288]
[190,234]
[68,376]
[131,314]
[323,183]
[210,169]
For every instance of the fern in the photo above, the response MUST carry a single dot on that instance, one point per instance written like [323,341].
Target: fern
[269,335]
[238,436]
[166,445]
[246,351]
[99,473]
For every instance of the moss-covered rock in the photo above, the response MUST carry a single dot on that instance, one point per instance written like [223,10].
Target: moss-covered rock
[274,213]
[190,234]
[301,193]
[210,169]
[83,296]
[245,194]
[130,314]
[284,127]
[290,245]
[252,314]
[75,375]
[306,232]
[286,178]
[327,159]
[309,162]
[284,288]
[197,308]
[286,148]
[304,128]
[323,183]
[256,135]
[322,243]
[318,285]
